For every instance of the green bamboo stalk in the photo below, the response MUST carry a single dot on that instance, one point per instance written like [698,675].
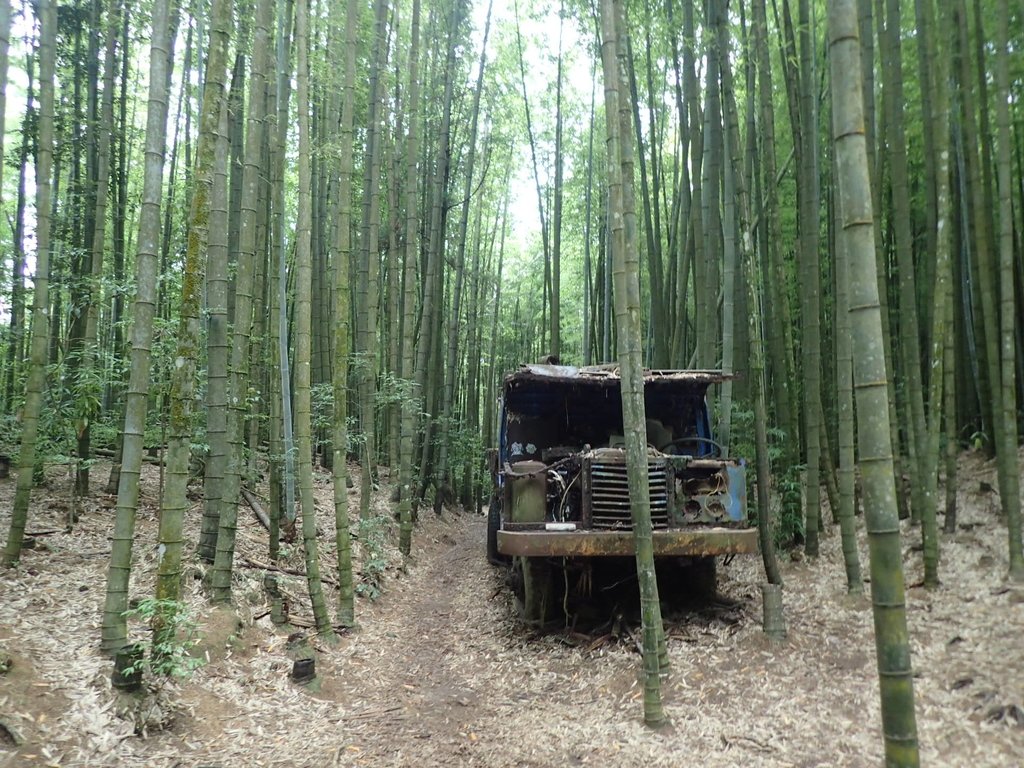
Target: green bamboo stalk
[410,403]
[870,376]
[342,327]
[941,330]
[41,299]
[1009,467]
[303,330]
[114,630]
[626,277]
[844,385]
[175,502]
[244,278]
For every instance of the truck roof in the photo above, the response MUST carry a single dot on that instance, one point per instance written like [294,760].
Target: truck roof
[607,374]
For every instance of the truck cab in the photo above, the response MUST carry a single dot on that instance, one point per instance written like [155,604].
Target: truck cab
[560,494]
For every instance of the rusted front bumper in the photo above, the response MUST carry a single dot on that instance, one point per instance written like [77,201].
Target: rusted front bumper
[670,543]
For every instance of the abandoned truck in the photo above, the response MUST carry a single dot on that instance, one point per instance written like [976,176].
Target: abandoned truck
[560,511]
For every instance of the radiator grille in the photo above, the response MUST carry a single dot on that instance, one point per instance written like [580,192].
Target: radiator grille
[609,489]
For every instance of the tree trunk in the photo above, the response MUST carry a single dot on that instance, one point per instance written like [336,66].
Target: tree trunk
[846,512]
[735,182]
[90,390]
[280,256]
[161,62]
[908,324]
[588,303]
[393,348]
[303,318]
[779,319]
[732,180]
[708,263]
[658,321]
[808,200]
[454,318]
[17,327]
[5,44]
[236,138]
[625,254]
[216,350]
[245,267]
[545,240]
[342,326]
[1009,465]
[949,406]
[369,263]
[281,497]
[411,401]
[881,518]
[936,105]
[174,502]
[40,322]
[983,264]
[433,293]
[556,218]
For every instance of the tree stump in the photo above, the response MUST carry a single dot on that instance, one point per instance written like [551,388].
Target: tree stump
[278,607]
[774,620]
[127,674]
[303,671]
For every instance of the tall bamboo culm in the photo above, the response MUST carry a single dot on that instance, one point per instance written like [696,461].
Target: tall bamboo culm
[870,383]
[114,626]
[626,277]
[303,330]
[41,301]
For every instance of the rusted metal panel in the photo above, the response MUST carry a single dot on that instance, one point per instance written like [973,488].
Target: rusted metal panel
[671,543]
[610,372]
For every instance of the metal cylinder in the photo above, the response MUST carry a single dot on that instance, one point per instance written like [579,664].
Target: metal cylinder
[529,492]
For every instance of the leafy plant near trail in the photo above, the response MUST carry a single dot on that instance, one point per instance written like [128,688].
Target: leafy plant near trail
[789,526]
[163,658]
[166,652]
[10,436]
[372,536]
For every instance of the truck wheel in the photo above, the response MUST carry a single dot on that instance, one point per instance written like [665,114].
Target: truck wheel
[703,579]
[537,590]
[493,524]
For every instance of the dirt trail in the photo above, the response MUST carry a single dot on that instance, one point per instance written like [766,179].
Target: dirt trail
[407,673]
[448,676]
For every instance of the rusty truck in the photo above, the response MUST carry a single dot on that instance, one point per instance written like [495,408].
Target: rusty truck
[560,509]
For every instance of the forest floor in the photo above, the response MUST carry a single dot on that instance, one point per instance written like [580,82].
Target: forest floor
[441,671]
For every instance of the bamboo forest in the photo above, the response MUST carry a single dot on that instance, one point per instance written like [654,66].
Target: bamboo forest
[524,383]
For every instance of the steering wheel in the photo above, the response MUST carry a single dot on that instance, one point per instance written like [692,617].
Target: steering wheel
[716,448]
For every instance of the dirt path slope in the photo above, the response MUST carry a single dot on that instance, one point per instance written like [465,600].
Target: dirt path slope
[441,673]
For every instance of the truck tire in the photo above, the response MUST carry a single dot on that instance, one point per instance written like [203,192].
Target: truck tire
[703,579]
[493,525]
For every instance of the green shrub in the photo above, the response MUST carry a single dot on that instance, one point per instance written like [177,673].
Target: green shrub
[166,649]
